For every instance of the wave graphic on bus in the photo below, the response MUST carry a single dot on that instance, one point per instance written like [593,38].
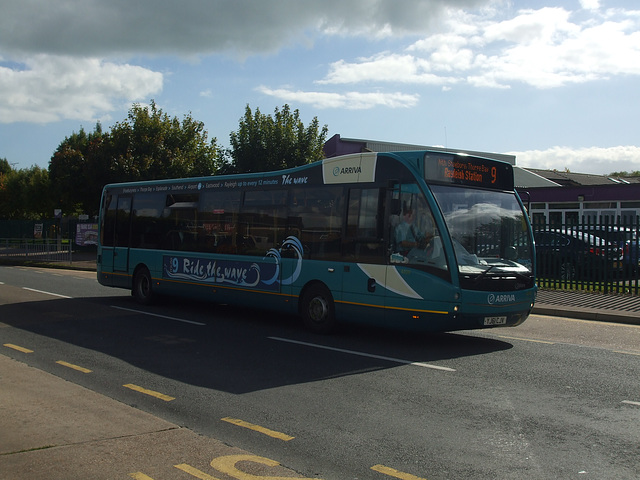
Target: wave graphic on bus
[294,244]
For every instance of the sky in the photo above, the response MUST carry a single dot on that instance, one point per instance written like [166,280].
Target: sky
[554,82]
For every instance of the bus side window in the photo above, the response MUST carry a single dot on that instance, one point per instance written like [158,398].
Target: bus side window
[147,226]
[109,221]
[315,218]
[218,212]
[263,221]
[365,226]
[180,218]
[122,223]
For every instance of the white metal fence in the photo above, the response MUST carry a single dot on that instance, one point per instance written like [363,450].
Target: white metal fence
[36,250]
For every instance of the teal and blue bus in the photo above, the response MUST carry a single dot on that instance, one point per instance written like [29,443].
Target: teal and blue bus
[427,240]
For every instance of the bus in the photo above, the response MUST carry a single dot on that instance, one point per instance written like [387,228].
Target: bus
[422,240]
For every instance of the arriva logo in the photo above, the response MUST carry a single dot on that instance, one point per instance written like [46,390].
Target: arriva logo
[504,298]
[346,170]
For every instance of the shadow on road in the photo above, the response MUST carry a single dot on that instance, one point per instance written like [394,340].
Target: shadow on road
[228,348]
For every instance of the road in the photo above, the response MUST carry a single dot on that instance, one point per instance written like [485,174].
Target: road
[552,398]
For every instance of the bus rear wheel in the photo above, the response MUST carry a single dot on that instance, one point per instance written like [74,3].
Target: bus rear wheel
[142,290]
[318,310]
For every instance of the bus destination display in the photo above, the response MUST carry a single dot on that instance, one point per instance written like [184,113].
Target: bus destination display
[471,171]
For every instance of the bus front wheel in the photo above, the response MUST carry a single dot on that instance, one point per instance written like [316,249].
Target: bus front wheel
[142,290]
[318,310]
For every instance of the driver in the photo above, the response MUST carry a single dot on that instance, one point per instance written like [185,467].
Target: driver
[406,236]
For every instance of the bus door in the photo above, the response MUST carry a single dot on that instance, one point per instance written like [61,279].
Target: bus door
[364,278]
[122,233]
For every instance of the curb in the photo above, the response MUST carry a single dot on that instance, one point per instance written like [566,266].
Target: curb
[582,314]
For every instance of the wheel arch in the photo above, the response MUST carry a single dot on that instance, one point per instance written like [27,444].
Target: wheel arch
[139,266]
[144,296]
[316,307]
[308,286]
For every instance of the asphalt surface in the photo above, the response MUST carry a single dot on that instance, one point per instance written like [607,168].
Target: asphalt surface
[51,428]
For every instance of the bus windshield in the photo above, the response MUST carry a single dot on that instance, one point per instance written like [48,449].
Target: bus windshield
[488,230]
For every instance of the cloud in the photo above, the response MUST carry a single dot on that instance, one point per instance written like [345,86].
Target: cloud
[347,100]
[50,70]
[544,48]
[194,27]
[595,160]
[590,4]
[47,88]
[478,43]
[385,68]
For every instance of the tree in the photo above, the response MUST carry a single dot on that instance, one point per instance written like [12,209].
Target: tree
[150,145]
[5,166]
[24,194]
[272,143]
[635,173]
[5,170]
[73,187]
[38,202]
[147,145]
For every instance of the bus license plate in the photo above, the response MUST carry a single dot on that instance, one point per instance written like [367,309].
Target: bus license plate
[495,321]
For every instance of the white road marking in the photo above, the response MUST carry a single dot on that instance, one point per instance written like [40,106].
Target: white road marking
[45,293]
[629,402]
[159,316]
[362,354]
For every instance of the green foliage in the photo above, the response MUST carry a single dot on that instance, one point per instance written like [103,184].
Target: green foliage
[148,145]
[635,173]
[265,143]
[75,185]
[25,193]
[5,167]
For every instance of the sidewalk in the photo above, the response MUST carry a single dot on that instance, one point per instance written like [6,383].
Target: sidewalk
[54,429]
[588,306]
[79,261]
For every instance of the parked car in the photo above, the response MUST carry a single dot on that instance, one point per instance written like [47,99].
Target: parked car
[571,255]
[626,238]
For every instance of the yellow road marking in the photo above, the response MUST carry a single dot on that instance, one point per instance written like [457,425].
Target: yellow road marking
[75,367]
[140,476]
[18,348]
[228,465]
[153,393]
[258,428]
[395,473]
[194,472]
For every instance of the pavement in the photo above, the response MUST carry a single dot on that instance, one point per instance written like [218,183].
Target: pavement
[55,429]
[616,308]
